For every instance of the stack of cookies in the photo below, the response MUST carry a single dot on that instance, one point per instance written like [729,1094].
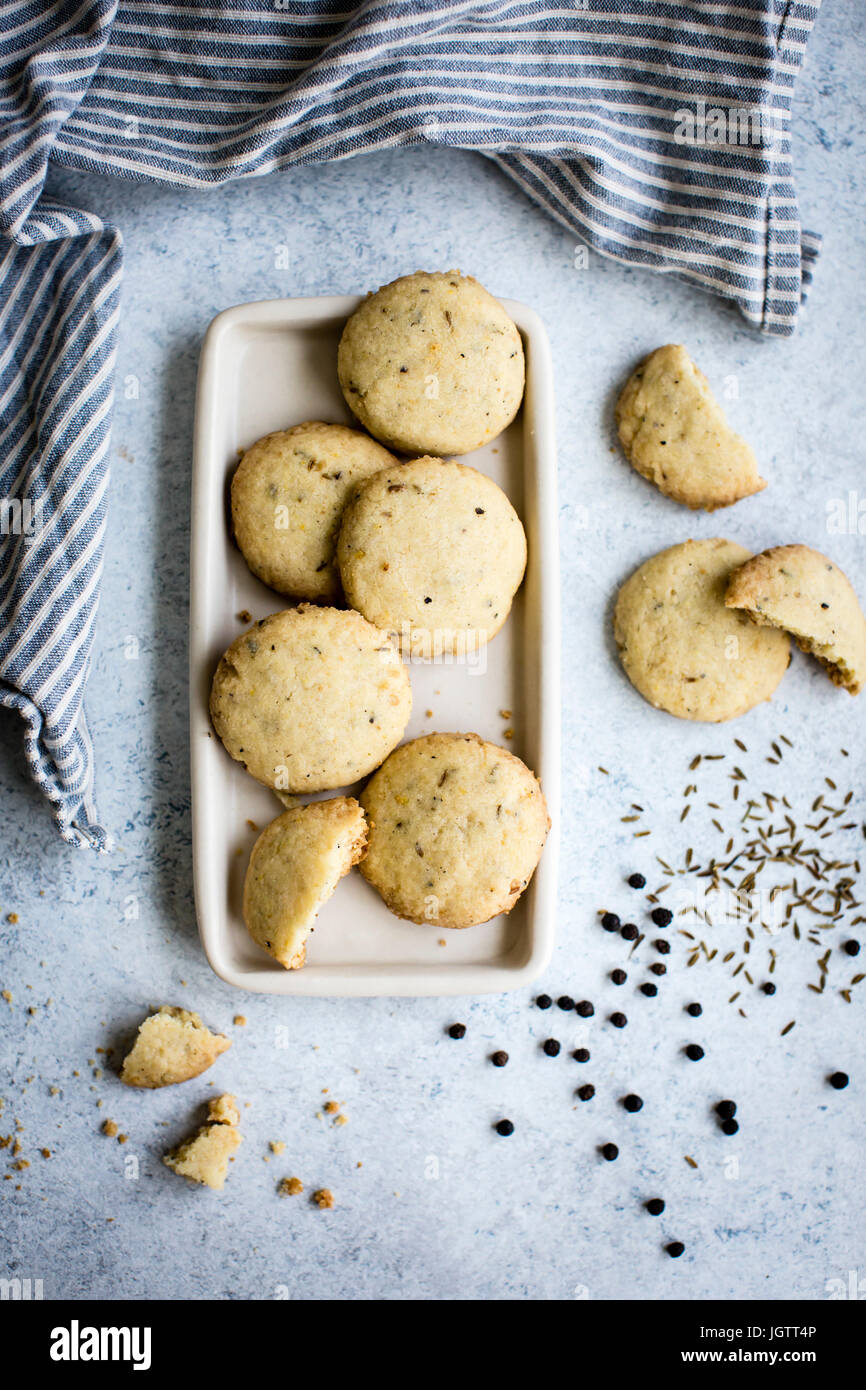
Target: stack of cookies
[391,559]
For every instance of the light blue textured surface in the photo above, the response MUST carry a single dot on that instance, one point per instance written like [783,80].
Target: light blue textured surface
[538,1215]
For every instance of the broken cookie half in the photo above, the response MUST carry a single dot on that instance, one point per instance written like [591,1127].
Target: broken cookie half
[205,1157]
[172,1045]
[296,864]
[799,589]
[675,433]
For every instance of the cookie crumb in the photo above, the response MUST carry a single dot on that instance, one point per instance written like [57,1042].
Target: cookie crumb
[290,1187]
[239,1021]
[110,1128]
[276,1146]
[324,1199]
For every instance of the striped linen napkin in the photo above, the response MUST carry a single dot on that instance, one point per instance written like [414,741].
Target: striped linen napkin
[657,131]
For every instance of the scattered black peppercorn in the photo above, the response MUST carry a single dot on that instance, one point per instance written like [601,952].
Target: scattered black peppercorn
[543,1001]
[839,1080]
[499,1059]
[726,1109]
[729,1126]
[551,1047]
[586,1092]
[658,969]
[619,977]
[663,947]
[610,1152]
[618,1020]
[655,1206]
[768,987]
[694,1009]
[694,1053]
[581,1054]
[650,990]
[662,916]
[633,1104]
[675,1248]
[610,921]
[636,881]
[565,1002]
[629,932]
[457,1030]
[852,947]
[505,1127]
[585,1008]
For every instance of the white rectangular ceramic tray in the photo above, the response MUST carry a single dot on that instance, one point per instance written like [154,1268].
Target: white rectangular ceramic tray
[264,367]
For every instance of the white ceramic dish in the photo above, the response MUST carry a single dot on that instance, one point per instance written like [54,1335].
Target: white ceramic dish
[264,367]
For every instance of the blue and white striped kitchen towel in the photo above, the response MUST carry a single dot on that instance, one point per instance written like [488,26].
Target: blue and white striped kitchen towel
[656,130]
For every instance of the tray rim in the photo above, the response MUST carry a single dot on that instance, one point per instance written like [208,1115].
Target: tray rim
[366,980]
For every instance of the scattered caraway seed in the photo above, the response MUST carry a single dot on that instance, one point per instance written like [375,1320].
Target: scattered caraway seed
[690,1161]
[551,1047]
[838,1080]
[499,1059]
[504,1127]
[609,1152]
[655,1206]
[675,1248]
[457,1030]
[694,1052]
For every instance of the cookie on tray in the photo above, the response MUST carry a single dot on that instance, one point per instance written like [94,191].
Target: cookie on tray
[296,864]
[682,648]
[675,433]
[288,494]
[799,589]
[310,699]
[433,551]
[172,1045]
[432,364]
[457,827]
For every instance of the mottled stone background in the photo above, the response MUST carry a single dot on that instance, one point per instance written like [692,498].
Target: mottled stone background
[430,1202]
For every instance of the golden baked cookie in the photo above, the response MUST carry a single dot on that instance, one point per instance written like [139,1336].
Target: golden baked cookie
[432,551]
[172,1045]
[682,648]
[296,864]
[205,1157]
[288,495]
[310,699]
[456,829]
[675,433]
[432,364]
[799,589]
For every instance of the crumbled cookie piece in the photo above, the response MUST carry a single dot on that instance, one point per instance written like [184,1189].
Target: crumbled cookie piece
[324,1199]
[205,1157]
[173,1045]
[110,1128]
[290,1187]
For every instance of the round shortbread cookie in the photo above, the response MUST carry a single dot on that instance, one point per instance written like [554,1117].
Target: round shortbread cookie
[296,864]
[457,827]
[434,552]
[432,364]
[800,590]
[682,648]
[310,699]
[288,495]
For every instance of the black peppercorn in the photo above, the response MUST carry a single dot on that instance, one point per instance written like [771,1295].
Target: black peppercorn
[663,947]
[675,1248]
[499,1059]
[586,1092]
[629,932]
[585,1008]
[543,1001]
[729,1126]
[650,990]
[619,977]
[457,1030]
[636,881]
[633,1104]
[551,1047]
[726,1109]
[768,987]
[839,1080]
[694,1009]
[852,947]
[618,1020]
[658,969]
[694,1053]
[565,1002]
[610,1152]
[662,916]
[505,1127]
[581,1054]
[610,921]
[655,1206]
